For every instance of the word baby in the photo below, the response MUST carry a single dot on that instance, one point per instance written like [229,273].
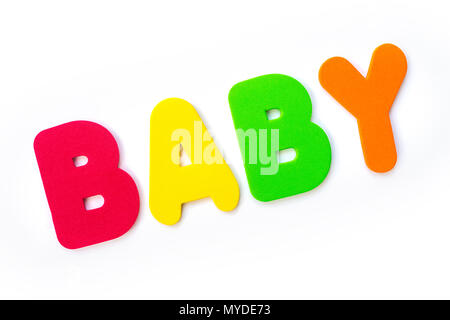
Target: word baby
[175,126]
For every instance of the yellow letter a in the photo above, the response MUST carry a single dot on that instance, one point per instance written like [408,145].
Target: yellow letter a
[175,122]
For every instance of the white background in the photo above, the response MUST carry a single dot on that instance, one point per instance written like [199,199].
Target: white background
[358,235]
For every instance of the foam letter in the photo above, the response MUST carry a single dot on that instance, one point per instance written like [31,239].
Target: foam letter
[267,178]
[369,100]
[67,186]
[175,122]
